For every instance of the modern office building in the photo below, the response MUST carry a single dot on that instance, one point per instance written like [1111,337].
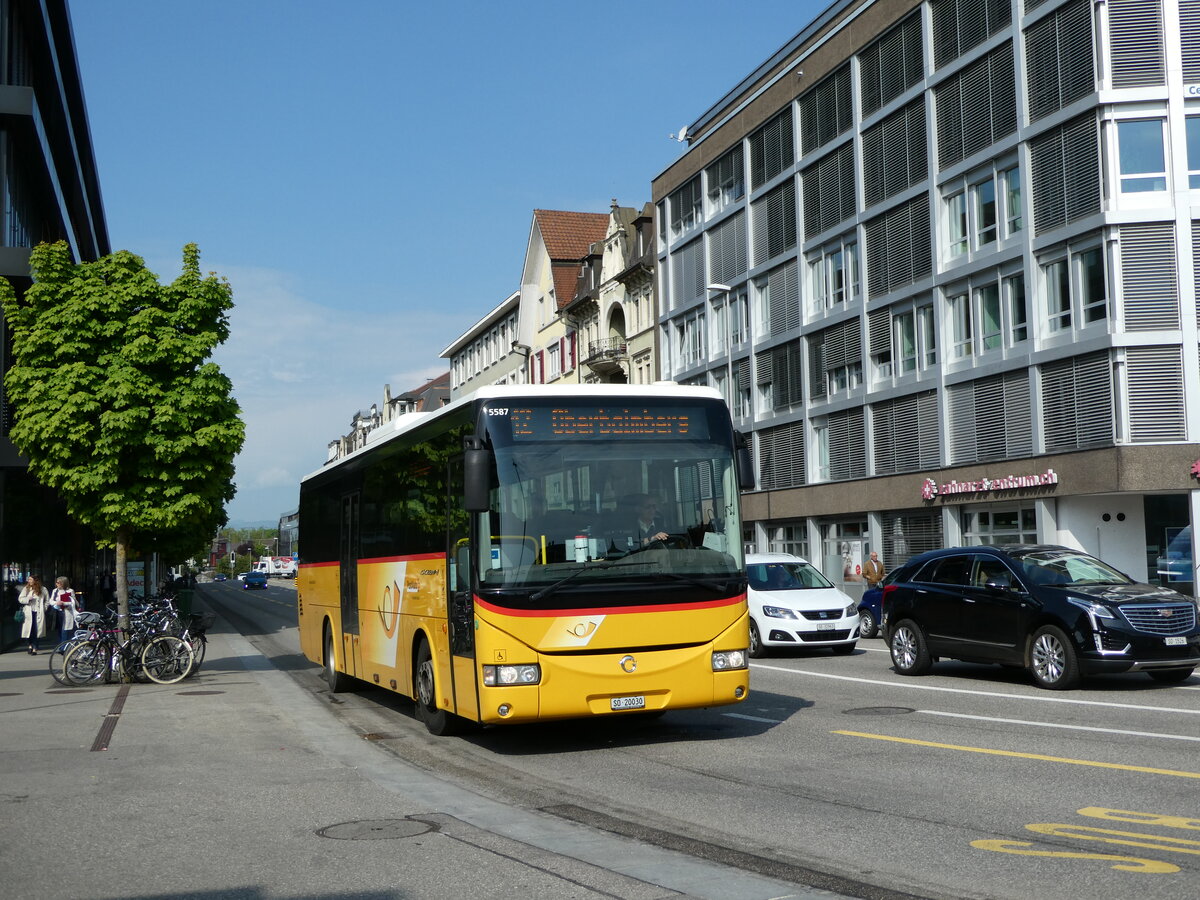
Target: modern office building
[49,191]
[942,258]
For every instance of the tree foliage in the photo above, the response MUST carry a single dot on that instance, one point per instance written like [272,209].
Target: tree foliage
[119,406]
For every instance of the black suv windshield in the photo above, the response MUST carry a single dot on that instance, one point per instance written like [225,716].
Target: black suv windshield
[1065,568]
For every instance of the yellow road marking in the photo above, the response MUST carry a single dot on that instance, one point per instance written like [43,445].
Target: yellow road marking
[1127,863]
[1058,759]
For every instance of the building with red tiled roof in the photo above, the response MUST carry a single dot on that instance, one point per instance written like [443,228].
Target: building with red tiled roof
[559,241]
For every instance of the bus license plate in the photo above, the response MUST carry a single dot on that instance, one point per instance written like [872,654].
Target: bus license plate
[1175,641]
[628,702]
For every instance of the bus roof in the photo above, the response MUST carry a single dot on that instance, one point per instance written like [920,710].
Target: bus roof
[407,422]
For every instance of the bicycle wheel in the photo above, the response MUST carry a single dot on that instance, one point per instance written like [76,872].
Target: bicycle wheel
[58,655]
[199,645]
[166,659]
[85,663]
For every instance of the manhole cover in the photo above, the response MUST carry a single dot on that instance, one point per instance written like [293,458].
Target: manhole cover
[375,830]
[198,693]
[880,711]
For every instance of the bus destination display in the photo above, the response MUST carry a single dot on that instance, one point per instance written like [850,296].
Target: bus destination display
[546,422]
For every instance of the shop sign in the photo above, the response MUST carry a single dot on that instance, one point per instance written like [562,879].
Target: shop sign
[1196,468]
[931,489]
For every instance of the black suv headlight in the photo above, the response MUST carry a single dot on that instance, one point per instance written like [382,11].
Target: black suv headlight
[1094,610]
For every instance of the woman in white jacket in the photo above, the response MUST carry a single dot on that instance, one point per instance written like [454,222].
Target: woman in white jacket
[34,597]
[64,600]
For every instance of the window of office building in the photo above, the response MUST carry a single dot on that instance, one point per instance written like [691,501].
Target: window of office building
[690,341]
[906,433]
[833,276]
[784,538]
[739,317]
[1060,52]
[982,209]
[773,221]
[1017,306]
[959,25]
[1149,283]
[1141,154]
[890,65]
[725,180]
[1155,390]
[772,149]
[727,255]
[962,325]
[828,191]
[1076,403]
[1192,130]
[907,533]
[778,299]
[1136,44]
[686,208]
[781,456]
[740,405]
[845,546]
[835,359]
[839,439]
[893,153]
[898,247]
[826,110]
[976,107]
[990,418]
[687,274]
[780,377]
[1000,525]
[1076,290]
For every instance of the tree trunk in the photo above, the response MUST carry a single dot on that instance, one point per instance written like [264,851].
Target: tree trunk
[124,538]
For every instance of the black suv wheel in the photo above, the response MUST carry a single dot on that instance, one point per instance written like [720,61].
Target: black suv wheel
[910,653]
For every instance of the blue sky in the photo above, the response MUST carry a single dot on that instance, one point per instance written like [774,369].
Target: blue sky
[365,173]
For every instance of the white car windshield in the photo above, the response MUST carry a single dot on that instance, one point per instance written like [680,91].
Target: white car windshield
[785,576]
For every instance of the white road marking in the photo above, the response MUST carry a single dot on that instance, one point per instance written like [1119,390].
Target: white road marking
[753,718]
[947,690]
[1175,737]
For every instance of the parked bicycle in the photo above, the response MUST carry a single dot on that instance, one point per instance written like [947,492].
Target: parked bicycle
[104,654]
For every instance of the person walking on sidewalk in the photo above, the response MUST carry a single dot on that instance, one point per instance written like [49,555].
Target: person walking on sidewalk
[34,597]
[64,600]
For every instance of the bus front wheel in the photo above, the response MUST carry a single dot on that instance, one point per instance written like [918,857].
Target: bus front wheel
[437,721]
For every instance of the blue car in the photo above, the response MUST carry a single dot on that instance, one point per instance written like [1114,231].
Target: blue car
[254,580]
[870,607]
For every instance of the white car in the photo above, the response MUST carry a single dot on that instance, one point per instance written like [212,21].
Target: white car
[794,605]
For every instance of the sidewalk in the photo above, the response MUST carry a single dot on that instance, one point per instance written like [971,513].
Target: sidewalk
[238,783]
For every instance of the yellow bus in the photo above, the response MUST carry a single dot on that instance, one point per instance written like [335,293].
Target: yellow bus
[532,552]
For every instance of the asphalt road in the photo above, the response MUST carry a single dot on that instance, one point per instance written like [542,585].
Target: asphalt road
[839,773]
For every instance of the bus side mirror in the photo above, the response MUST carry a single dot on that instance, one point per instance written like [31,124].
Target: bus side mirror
[745,465]
[476,469]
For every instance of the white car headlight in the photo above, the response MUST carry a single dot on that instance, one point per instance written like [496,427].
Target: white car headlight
[502,676]
[725,660]
[851,610]
[779,612]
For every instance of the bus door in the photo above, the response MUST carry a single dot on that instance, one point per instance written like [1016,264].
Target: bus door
[460,601]
[348,587]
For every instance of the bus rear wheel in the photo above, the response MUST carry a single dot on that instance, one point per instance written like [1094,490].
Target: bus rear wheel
[339,682]
[437,721]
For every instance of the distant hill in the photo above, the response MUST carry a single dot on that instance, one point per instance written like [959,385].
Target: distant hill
[258,523]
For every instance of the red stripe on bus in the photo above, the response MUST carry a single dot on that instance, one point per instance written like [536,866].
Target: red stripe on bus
[609,610]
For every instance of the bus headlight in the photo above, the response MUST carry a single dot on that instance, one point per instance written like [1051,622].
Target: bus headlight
[724,660]
[501,676]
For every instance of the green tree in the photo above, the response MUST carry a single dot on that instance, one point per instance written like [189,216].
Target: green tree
[119,407]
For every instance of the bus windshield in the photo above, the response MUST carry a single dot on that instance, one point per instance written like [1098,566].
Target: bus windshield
[610,496]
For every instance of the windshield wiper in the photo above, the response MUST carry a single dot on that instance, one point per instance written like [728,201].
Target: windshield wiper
[712,584]
[608,564]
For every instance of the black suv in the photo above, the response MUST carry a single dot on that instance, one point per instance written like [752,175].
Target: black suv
[1059,612]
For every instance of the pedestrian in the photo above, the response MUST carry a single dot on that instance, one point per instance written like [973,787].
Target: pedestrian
[34,597]
[873,570]
[68,605]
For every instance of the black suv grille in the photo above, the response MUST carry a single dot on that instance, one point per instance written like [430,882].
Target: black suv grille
[1172,618]
[821,615]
